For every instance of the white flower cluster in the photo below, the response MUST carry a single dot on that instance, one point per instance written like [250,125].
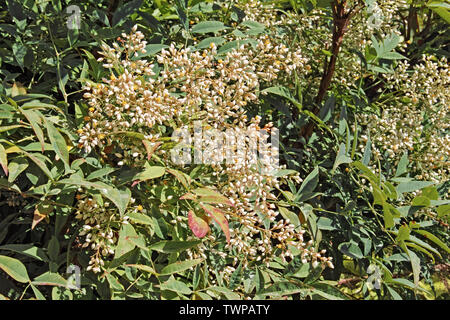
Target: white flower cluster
[181,85]
[101,225]
[417,120]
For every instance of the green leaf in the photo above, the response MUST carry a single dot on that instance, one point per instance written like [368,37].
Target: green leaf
[114,282]
[179,266]
[434,239]
[394,294]
[50,279]
[442,9]
[412,186]
[208,26]
[328,292]
[34,119]
[421,201]
[124,11]
[443,210]
[151,50]
[208,195]
[140,218]
[3,159]
[431,193]
[58,143]
[176,286]
[19,52]
[392,56]
[183,178]
[236,278]
[236,44]
[366,171]
[100,173]
[259,280]
[367,152]
[289,215]
[142,268]
[14,268]
[402,166]
[230,295]
[403,233]
[351,249]
[172,246]
[150,173]
[254,27]
[205,43]
[310,183]
[127,240]
[415,263]
[37,293]
[283,92]
[16,167]
[26,249]
[40,164]
[387,216]
[120,198]
[53,249]
[341,157]
[282,289]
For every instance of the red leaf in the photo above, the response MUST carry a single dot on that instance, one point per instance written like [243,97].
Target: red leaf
[219,217]
[198,226]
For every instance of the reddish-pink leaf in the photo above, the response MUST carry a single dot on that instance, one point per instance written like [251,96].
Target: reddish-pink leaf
[135,183]
[184,179]
[198,226]
[219,217]
[150,150]
[188,196]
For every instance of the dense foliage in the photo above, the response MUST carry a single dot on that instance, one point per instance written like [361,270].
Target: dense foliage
[94,205]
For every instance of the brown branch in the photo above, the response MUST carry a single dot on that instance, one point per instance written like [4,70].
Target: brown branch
[112,7]
[341,20]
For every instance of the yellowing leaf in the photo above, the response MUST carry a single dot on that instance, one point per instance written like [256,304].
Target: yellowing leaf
[18,89]
[40,213]
[3,159]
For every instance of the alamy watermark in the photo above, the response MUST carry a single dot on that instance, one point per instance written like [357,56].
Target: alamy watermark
[74,280]
[74,19]
[374,280]
[246,147]
[375,14]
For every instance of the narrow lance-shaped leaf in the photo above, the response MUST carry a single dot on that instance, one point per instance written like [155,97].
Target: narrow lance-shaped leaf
[58,143]
[179,266]
[210,196]
[35,121]
[3,159]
